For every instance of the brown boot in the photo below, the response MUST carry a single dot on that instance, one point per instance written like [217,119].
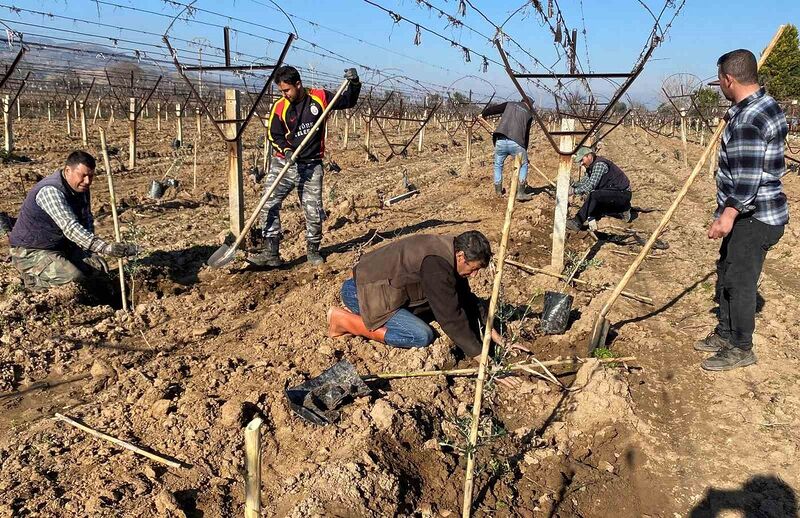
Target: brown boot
[342,322]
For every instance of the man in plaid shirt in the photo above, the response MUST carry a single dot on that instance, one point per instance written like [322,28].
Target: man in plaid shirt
[53,241]
[751,207]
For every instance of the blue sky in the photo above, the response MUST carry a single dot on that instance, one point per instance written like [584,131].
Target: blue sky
[616,33]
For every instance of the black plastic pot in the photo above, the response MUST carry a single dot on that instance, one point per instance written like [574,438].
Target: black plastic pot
[156,190]
[555,315]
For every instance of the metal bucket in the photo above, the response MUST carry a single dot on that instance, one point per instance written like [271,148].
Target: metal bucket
[555,315]
[156,190]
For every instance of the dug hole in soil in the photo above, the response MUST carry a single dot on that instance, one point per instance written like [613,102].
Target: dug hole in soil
[204,351]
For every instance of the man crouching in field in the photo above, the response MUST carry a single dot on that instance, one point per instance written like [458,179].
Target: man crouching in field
[396,290]
[52,241]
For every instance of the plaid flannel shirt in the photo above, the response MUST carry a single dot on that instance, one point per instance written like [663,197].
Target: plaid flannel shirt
[751,162]
[589,181]
[53,202]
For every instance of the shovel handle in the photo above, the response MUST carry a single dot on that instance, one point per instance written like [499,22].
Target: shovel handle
[289,163]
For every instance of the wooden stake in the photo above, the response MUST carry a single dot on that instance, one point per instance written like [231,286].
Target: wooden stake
[82,112]
[683,140]
[194,169]
[69,119]
[368,136]
[601,325]
[179,118]
[49,112]
[118,442]
[8,125]
[132,134]
[422,133]
[539,171]
[235,181]
[252,451]
[562,197]
[158,116]
[346,133]
[19,109]
[114,217]
[198,118]
[531,269]
[96,112]
[469,146]
[473,370]
[487,339]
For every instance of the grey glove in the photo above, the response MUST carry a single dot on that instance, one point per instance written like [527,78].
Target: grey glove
[120,250]
[96,262]
[351,75]
[288,154]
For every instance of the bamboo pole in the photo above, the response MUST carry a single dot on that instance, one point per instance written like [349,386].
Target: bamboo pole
[252,451]
[367,137]
[69,119]
[683,140]
[132,116]
[487,339]
[49,112]
[532,269]
[473,370]
[469,146]
[118,442]
[422,133]
[114,217]
[601,324]
[158,116]
[539,171]
[194,168]
[346,132]
[179,118]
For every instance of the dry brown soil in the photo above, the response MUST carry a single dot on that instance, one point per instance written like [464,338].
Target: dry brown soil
[205,350]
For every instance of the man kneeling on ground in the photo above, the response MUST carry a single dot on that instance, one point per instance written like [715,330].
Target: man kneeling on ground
[396,290]
[52,241]
[606,187]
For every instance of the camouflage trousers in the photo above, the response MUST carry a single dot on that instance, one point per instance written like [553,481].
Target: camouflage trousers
[42,269]
[307,177]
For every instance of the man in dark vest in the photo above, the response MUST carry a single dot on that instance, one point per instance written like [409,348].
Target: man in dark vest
[52,241]
[291,118]
[606,187]
[396,290]
[511,137]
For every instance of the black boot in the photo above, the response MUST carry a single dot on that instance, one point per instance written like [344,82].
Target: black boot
[269,255]
[312,254]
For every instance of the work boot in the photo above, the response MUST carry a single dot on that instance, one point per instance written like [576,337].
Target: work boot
[312,254]
[342,322]
[498,189]
[269,255]
[713,343]
[574,225]
[522,193]
[729,358]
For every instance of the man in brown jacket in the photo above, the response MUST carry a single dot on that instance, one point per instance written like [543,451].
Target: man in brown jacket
[396,290]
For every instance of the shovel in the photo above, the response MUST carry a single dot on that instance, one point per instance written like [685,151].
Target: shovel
[227,252]
[602,324]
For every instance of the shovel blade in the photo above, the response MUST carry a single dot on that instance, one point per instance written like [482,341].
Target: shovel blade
[222,256]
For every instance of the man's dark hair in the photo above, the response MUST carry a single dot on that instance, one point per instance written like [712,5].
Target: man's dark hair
[81,157]
[287,74]
[475,247]
[741,64]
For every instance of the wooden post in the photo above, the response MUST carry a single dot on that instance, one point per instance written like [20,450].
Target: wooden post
[69,120]
[346,132]
[683,140]
[19,108]
[422,133]
[367,136]
[469,145]
[132,134]
[562,196]
[74,110]
[158,116]
[82,112]
[179,117]
[49,112]
[96,112]
[198,120]
[487,339]
[235,182]
[8,124]
[252,452]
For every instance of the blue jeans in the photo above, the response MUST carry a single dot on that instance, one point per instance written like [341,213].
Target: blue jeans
[504,148]
[403,329]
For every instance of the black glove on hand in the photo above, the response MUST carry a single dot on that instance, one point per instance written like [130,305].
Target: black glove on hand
[97,262]
[120,250]
[351,75]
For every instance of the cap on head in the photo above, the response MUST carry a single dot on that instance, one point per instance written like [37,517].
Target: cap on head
[580,153]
